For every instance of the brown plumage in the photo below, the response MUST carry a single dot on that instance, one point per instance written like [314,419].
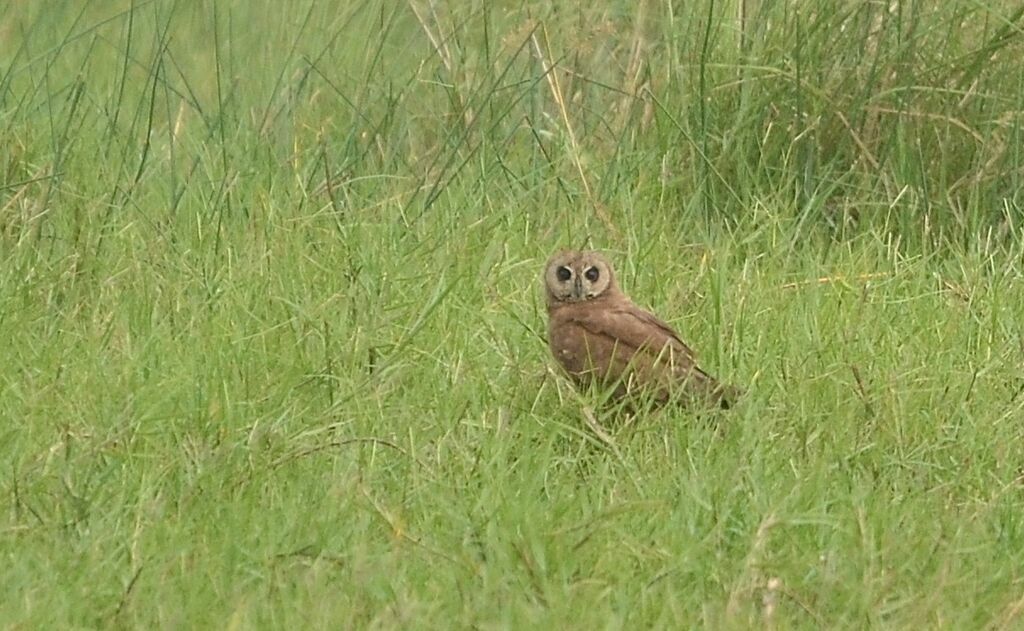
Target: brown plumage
[599,336]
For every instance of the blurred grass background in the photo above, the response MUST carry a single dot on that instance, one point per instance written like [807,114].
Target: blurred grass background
[273,337]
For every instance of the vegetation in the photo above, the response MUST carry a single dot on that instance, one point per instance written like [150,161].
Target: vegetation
[273,341]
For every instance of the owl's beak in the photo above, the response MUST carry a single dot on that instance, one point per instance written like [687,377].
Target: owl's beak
[577,288]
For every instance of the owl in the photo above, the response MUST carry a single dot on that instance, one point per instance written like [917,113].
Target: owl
[600,337]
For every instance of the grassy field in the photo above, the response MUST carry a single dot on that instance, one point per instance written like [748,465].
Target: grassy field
[272,337]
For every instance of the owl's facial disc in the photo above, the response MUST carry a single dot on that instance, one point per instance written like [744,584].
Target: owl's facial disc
[577,277]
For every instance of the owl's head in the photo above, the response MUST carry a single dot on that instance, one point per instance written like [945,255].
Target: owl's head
[572,276]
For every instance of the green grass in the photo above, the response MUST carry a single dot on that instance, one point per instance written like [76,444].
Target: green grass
[271,330]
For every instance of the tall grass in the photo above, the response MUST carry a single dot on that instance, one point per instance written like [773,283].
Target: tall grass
[272,342]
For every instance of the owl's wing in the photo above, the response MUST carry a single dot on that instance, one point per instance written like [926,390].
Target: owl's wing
[633,330]
[658,331]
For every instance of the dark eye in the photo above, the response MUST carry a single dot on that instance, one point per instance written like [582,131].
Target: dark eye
[592,274]
[563,274]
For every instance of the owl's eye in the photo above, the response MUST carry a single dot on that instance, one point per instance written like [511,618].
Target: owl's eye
[563,274]
[592,274]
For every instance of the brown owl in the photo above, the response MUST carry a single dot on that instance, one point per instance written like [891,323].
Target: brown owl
[599,336]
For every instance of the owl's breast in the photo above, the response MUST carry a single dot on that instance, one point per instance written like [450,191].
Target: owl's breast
[568,343]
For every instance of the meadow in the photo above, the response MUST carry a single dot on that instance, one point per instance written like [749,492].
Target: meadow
[272,336]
